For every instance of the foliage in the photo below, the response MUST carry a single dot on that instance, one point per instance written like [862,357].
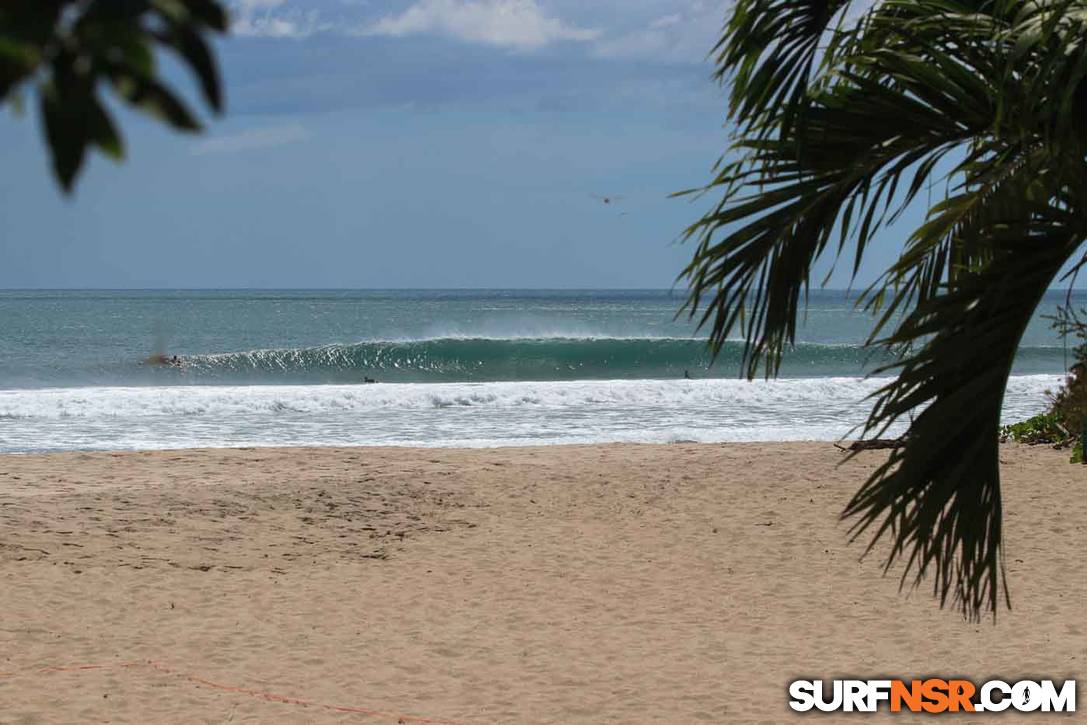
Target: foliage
[1042,428]
[1070,402]
[63,49]
[847,117]
[1065,423]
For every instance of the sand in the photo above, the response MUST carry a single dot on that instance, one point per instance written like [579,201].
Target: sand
[617,583]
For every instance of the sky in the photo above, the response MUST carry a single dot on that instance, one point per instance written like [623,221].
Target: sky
[402,143]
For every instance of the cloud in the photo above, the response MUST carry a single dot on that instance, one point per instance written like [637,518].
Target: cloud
[269,19]
[684,37]
[252,139]
[519,24]
[666,21]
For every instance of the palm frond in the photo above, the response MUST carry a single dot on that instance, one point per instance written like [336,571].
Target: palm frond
[939,497]
[768,52]
[838,129]
[860,157]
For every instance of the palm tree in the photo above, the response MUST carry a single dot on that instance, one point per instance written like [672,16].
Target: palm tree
[843,116]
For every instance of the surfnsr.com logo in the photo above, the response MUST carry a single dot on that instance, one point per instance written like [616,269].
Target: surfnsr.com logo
[932,695]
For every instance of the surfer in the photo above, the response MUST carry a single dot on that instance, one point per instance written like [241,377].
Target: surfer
[163,359]
[368,380]
[687,374]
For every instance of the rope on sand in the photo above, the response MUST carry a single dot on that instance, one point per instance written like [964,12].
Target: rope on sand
[258,694]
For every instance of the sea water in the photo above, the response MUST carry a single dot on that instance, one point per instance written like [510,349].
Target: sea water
[452,368]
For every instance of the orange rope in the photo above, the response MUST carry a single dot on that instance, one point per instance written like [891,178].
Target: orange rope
[258,694]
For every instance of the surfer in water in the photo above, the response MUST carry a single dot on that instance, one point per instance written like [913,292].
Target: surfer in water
[163,359]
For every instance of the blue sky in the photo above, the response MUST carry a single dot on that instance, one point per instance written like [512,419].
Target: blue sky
[401,143]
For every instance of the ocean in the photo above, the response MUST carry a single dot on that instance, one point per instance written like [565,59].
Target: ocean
[452,368]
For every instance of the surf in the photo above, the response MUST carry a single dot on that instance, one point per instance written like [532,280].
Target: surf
[479,359]
[452,414]
[494,359]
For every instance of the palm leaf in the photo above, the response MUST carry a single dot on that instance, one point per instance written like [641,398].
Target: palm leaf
[833,143]
[939,496]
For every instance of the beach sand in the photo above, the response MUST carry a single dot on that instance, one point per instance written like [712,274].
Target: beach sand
[566,584]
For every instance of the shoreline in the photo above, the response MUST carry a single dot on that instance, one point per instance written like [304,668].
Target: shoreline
[385,447]
[546,584]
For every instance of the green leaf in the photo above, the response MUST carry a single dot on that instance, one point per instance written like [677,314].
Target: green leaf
[102,131]
[156,100]
[196,53]
[65,133]
[65,48]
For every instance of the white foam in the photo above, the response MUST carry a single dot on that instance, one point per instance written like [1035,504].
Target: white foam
[452,414]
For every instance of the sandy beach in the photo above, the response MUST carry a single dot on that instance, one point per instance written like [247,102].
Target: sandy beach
[609,583]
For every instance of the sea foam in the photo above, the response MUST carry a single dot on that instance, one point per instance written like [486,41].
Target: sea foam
[453,414]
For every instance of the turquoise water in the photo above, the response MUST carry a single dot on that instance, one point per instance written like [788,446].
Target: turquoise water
[452,368]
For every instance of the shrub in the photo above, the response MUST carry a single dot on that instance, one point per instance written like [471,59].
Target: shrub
[1064,423]
[1044,428]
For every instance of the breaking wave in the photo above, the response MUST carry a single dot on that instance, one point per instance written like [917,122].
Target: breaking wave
[467,359]
[451,414]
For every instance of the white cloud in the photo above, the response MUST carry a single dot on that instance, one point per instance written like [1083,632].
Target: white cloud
[665,21]
[521,24]
[252,139]
[268,19]
[685,36]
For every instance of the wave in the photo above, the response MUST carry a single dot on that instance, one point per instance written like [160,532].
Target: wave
[451,414]
[475,358]
[770,396]
[468,359]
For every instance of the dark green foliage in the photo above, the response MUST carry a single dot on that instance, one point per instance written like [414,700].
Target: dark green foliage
[1070,402]
[1065,423]
[970,110]
[65,50]
[1042,428]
